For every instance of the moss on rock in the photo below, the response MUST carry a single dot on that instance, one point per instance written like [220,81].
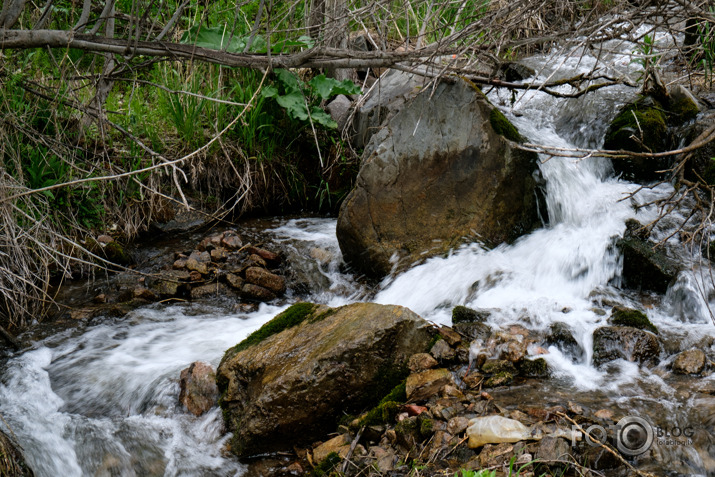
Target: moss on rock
[533,368]
[503,126]
[387,408]
[639,127]
[500,379]
[633,318]
[289,318]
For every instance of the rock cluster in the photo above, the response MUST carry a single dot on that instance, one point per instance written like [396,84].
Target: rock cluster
[222,264]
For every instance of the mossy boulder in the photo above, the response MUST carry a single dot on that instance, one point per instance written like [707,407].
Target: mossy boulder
[291,381]
[533,368]
[447,168]
[621,316]
[649,125]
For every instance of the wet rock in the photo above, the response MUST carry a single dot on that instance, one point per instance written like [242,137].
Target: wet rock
[235,281]
[421,361]
[561,336]
[177,218]
[291,380]
[424,384]
[210,290]
[264,278]
[691,361]
[195,277]
[250,291]
[605,414]
[533,368]
[180,263]
[450,336]
[494,366]
[322,255]
[621,316]
[645,268]
[231,240]
[598,458]
[513,350]
[647,125]
[144,294]
[171,284]
[472,188]
[499,379]
[462,314]
[621,342]
[257,260]
[266,255]
[512,71]
[198,388]
[442,351]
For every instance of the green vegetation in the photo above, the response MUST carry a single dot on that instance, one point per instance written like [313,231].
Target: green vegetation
[387,408]
[503,126]
[639,127]
[328,466]
[533,368]
[293,316]
[632,318]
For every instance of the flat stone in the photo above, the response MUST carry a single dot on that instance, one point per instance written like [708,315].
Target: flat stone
[421,361]
[144,294]
[457,425]
[553,448]
[195,265]
[231,241]
[424,384]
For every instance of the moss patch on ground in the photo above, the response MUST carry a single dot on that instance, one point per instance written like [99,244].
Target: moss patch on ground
[387,408]
[503,126]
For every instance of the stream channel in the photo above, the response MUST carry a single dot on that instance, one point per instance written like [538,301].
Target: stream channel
[100,398]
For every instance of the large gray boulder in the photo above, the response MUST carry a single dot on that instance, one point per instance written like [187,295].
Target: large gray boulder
[442,170]
[291,381]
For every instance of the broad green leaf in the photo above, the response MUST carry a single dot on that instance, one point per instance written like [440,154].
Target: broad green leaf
[215,38]
[289,80]
[327,87]
[321,117]
[269,91]
[294,104]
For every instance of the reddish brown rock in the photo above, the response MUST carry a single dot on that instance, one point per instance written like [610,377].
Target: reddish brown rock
[219,254]
[213,289]
[254,259]
[198,388]
[144,294]
[427,383]
[691,361]
[264,278]
[265,254]
[231,240]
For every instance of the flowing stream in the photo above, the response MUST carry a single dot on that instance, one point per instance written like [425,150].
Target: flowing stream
[101,398]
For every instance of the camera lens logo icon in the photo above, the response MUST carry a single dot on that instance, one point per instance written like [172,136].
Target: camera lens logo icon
[634,435]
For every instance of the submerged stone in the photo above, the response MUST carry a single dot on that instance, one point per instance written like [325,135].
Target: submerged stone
[621,316]
[622,342]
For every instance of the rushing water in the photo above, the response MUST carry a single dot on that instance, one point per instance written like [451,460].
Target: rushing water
[102,399]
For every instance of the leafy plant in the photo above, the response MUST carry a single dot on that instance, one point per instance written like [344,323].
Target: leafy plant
[706,32]
[221,38]
[298,98]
